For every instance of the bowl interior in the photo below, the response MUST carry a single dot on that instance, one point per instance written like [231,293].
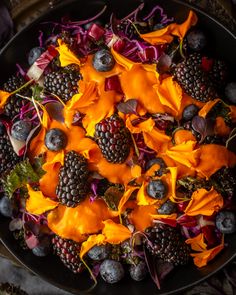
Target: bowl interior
[50,268]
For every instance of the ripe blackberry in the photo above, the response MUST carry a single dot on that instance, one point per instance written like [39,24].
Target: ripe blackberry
[73,177]
[63,83]
[8,158]
[194,80]
[224,181]
[113,139]
[14,103]
[68,251]
[219,74]
[167,244]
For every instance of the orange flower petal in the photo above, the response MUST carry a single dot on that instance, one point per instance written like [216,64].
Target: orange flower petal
[201,259]
[121,60]
[145,126]
[66,56]
[92,241]
[165,35]
[207,107]
[142,196]
[204,202]
[125,198]
[37,204]
[49,181]
[170,94]
[221,128]
[76,223]
[172,216]
[141,218]
[185,154]
[116,173]
[115,233]
[197,243]
[181,30]
[3,98]
[182,136]
[88,94]
[213,157]
[155,139]
[140,87]
[136,171]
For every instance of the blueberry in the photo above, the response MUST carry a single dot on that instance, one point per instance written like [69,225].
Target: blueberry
[138,272]
[103,61]
[197,40]
[55,139]
[111,271]
[34,54]
[226,222]
[6,207]
[189,112]
[98,253]
[21,129]
[158,161]
[167,208]
[2,128]
[43,248]
[230,92]
[156,189]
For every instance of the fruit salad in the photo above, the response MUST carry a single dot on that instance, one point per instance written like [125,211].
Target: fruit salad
[117,146]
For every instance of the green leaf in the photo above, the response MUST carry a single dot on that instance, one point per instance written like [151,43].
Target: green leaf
[36,92]
[22,174]
[112,197]
[37,166]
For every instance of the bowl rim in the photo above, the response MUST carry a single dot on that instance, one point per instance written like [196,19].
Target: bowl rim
[5,243]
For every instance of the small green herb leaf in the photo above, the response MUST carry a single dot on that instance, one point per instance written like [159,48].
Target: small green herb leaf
[22,174]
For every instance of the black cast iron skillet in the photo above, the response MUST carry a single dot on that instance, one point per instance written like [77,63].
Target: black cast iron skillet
[50,268]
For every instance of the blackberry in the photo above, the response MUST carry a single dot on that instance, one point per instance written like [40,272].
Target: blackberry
[73,177]
[219,74]
[63,83]
[8,158]
[14,103]
[224,182]
[194,80]
[68,251]
[167,244]
[113,139]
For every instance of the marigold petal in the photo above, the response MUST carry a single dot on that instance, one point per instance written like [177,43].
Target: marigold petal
[76,223]
[207,107]
[221,128]
[201,259]
[170,94]
[115,233]
[125,198]
[141,217]
[197,243]
[92,241]
[66,56]
[204,202]
[37,204]
[213,157]
[3,98]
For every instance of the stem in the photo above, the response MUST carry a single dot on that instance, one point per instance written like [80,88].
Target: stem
[181,48]
[23,86]
[135,145]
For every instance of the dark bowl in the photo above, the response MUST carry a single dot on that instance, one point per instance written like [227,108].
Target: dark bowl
[50,268]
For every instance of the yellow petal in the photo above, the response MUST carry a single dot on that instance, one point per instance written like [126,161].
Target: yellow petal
[3,98]
[197,243]
[115,233]
[204,202]
[37,204]
[92,241]
[66,56]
